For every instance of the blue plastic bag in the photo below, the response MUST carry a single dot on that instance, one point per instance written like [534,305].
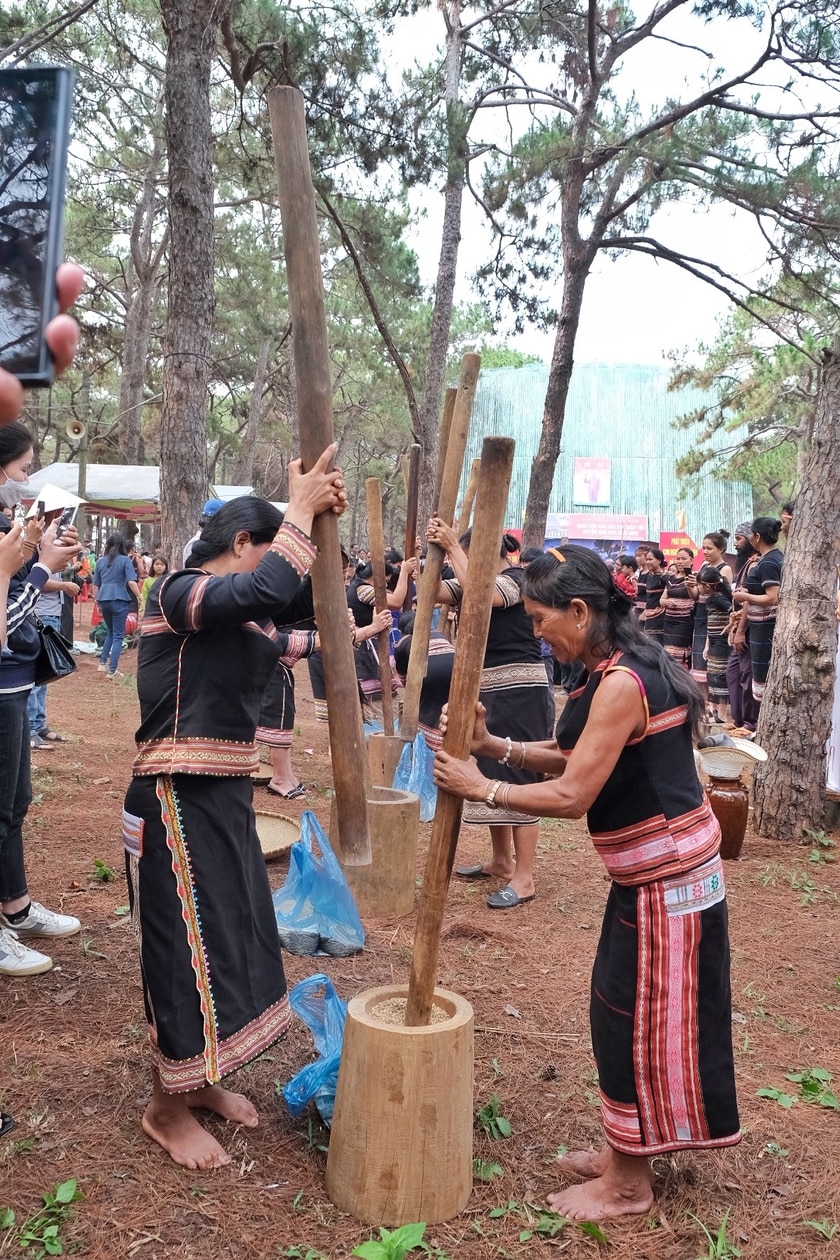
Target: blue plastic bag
[414,774]
[315,909]
[315,1001]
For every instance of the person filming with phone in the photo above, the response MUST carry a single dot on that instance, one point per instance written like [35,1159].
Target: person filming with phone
[23,572]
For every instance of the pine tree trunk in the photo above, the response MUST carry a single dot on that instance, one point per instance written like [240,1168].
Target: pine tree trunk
[243,473]
[544,463]
[191,30]
[795,721]
[146,258]
[447,266]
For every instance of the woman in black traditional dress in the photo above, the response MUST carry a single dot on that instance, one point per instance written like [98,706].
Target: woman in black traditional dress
[653,617]
[678,603]
[761,595]
[200,898]
[712,583]
[660,1007]
[519,701]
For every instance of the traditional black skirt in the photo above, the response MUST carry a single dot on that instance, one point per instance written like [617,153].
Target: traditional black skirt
[660,1013]
[519,704]
[761,650]
[276,723]
[213,979]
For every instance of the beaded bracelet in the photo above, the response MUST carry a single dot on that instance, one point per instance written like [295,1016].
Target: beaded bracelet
[504,761]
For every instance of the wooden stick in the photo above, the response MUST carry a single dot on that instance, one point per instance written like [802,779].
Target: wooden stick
[490,508]
[469,498]
[412,498]
[427,588]
[302,248]
[377,563]
[443,442]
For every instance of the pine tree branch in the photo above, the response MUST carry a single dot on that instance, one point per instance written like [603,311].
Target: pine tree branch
[376,312]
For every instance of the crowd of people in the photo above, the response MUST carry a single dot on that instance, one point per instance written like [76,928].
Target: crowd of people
[653,652]
[715,620]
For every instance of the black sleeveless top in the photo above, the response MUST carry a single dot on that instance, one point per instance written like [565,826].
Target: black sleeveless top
[651,820]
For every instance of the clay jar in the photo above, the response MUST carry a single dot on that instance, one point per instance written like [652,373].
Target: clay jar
[729,800]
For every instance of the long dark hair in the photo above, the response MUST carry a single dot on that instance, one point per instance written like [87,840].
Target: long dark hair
[15,440]
[117,545]
[582,574]
[250,513]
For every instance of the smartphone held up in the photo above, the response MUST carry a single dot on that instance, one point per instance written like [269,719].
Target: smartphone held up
[35,108]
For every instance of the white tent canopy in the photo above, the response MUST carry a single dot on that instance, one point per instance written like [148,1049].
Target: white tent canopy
[129,491]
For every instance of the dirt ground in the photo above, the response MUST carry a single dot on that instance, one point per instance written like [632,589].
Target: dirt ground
[74,1047]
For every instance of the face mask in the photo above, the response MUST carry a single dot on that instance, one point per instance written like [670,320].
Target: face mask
[11,492]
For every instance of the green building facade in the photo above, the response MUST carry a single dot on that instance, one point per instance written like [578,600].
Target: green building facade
[618,419]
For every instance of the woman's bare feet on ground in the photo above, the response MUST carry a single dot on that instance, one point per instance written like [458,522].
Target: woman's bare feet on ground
[584,1163]
[222,1102]
[182,1137]
[621,1187]
[168,1120]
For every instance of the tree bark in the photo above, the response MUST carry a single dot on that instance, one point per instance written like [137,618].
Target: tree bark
[450,241]
[190,27]
[243,473]
[554,408]
[795,721]
[144,267]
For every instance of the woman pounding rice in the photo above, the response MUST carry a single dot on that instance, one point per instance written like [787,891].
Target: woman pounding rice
[660,1006]
[200,898]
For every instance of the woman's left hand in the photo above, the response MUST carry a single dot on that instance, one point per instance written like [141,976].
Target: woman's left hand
[443,535]
[460,778]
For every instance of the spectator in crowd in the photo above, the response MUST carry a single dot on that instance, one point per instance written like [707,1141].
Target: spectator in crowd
[114,585]
[211,507]
[57,591]
[653,617]
[714,586]
[742,705]
[678,603]
[158,566]
[786,517]
[760,593]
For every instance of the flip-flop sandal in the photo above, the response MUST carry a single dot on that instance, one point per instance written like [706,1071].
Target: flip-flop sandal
[507,898]
[52,736]
[472,872]
[6,1124]
[300,790]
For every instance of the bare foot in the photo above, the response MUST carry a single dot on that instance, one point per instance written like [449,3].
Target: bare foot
[584,1163]
[222,1102]
[176,1129]
[622,1188]
[598,1200]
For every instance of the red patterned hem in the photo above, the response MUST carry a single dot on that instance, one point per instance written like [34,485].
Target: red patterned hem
[662,1148]
[178,1076]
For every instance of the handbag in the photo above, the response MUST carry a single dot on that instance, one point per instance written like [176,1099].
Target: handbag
[55,658]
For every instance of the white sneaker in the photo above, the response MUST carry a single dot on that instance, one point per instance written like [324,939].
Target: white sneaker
[101,668]
[17,960]
[43,922]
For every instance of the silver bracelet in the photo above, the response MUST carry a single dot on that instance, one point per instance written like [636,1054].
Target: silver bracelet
[504,761]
